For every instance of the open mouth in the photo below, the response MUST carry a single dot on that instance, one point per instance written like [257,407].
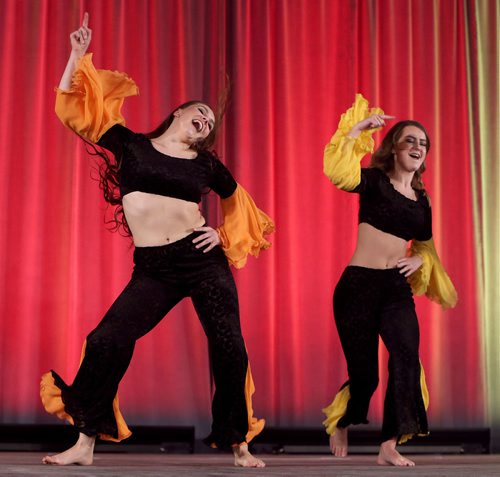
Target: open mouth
[198,125]
[415,155]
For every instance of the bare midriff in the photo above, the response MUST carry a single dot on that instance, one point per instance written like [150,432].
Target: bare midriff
[377,249]
[156,220]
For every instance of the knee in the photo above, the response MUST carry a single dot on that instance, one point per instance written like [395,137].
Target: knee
[371,384]
[105,339]
[365,385]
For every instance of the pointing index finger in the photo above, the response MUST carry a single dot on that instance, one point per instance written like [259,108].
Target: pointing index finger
[85,22]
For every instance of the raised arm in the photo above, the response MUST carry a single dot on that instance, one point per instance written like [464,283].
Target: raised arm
[80,41]
[351,141]
[88,100]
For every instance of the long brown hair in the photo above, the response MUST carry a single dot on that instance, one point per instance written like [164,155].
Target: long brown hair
[383,157]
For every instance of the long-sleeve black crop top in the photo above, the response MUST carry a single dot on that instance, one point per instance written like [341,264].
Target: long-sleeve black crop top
[145,169]
[386,209]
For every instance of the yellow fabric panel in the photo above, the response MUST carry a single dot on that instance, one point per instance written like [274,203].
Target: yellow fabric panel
[425,397]
[431,278]
[95,99]
[336,410]
[244,227]
[53,404]
[342,156]
[255,425]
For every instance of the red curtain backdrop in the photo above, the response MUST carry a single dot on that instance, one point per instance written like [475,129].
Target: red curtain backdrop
[295,66]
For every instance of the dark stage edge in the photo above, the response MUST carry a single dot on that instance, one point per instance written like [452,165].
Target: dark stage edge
[150,465]
[181,440]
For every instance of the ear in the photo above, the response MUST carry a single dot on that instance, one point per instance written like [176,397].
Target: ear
[177,113]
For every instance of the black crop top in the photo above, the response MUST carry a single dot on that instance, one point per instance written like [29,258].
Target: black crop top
[144,169]
[386,209]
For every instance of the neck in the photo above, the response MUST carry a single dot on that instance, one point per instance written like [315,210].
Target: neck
[173,140]
[404,178]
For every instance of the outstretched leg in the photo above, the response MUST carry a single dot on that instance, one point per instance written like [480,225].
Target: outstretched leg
[82,453]
[109,349]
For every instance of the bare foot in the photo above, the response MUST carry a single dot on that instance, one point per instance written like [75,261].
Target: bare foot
[243,458]
[388,455]
[82,453]
[338,442]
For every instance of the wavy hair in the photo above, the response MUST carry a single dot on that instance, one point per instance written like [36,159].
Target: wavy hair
[383,157]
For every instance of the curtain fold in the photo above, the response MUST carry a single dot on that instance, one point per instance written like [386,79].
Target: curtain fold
[484,107]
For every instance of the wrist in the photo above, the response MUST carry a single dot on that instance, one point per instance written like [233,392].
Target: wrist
[354,132]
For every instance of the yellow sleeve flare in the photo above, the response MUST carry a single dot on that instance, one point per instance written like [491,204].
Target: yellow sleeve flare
[342,156]
[244,228]
[431,278]
[94,102]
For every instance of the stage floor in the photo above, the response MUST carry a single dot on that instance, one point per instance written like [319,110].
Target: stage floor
[206,465]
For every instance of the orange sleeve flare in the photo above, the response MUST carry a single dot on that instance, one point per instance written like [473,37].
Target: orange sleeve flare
[94,102]
[53,404]
[431,278]
[343,154]
[244,227]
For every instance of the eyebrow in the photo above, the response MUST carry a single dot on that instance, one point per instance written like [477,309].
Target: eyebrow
[416,138]
[205,111]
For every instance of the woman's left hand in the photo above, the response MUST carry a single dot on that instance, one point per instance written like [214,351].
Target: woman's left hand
[409,265]
[209,239]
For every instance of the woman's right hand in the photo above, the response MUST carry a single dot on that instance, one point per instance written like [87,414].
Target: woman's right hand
[371,122]
[80,39]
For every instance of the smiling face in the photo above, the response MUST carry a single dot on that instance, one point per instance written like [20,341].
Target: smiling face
[196,121]
[410,149]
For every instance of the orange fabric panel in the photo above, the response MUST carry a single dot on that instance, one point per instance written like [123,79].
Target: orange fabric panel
[53,404]
[255,425]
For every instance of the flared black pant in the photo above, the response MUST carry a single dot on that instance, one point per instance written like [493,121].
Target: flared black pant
[162,277]
[369,303]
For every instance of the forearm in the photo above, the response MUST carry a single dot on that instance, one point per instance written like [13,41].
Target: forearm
[65,83]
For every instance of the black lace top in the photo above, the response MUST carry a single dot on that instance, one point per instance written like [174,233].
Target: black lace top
[144,169]
[386,209]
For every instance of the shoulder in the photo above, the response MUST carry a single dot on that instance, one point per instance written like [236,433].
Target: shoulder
[374,175]
[424,197]
[117,135]
[212,159]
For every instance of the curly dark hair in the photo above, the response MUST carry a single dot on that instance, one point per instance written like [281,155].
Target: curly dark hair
[108,167]
[383,157]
